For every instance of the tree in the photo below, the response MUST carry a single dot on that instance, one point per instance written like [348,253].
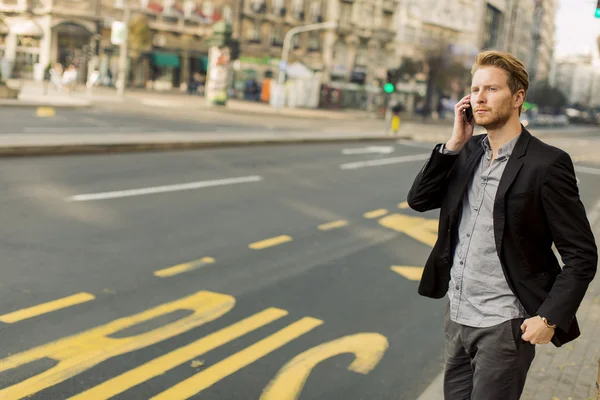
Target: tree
[545,95]
[409,68]
[139,37]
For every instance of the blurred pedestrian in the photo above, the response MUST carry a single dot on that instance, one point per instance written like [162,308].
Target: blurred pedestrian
[505,197]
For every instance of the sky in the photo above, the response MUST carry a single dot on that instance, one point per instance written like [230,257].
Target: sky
[576,27]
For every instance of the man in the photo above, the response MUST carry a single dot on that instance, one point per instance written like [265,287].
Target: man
[505,198]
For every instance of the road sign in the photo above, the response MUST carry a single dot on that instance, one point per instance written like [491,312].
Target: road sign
[117,33]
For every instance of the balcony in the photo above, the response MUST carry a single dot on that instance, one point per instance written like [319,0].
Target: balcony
[384,33]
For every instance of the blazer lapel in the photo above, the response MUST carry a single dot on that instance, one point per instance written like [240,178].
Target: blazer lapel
[513,166]
[465,174]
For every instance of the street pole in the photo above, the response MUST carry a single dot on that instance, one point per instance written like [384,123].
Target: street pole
[122,81]
[287,41]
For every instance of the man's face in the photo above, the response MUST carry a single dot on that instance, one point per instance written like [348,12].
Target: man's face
[492,101]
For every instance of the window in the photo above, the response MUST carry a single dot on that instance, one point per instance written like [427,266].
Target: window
[314,42]
[227,14]
[257,6]
[315,11]
[492,27]
[189,8]
[296,41]
[346,13]
[362,55]
[366,19]
[208,9]
[277,36]
[253,33]
[278,7]
[298,7]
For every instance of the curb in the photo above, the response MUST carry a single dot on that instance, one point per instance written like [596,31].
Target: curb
[104,148]
[34,104]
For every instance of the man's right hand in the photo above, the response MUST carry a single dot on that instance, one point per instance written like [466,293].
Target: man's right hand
[463,130]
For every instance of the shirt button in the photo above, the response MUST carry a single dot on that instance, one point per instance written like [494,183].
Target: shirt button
[461,263]
[476,209]
[468,235]
[457,288]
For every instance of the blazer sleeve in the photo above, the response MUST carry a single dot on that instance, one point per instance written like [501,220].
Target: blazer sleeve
[574,240]
[429,188]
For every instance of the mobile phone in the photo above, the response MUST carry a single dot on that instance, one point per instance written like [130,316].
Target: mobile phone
[469,113]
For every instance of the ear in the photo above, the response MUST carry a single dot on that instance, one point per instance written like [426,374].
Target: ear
[519,99]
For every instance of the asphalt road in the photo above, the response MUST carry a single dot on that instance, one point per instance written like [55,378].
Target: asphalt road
[221,274]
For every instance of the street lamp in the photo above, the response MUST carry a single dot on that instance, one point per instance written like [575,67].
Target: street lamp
[287,41]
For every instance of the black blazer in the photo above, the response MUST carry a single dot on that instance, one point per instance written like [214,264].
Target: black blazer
[537,204]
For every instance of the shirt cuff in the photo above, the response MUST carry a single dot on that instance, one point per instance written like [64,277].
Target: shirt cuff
[444,150]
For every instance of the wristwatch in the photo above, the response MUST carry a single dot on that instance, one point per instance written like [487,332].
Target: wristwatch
[548,324]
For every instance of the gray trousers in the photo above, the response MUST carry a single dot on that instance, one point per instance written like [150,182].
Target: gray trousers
[485,363]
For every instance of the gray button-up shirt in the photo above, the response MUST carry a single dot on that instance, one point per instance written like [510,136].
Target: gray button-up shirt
[478,291]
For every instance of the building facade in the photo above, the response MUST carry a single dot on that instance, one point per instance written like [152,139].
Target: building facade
[518,35]
[543,39]
[578,77]
[356,51]
[38,33]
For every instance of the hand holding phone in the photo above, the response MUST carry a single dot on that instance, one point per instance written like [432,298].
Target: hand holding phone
[468,114]
[463,124]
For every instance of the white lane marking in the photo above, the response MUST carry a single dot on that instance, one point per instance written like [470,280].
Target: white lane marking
[419,145]
[385,161]
[587,170]
[370,149]
[163,189]
[83,129]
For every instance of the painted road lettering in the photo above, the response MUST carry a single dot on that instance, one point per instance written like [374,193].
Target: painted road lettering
[80,352]
[368,349]
[164,363]
[239,360]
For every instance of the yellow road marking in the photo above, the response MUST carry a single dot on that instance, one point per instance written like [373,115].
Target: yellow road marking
[162,364]
[237,361]
[367,348]
[411,273]
[375,213]
[332,225]
[44,308]
[421,229]
[181,268]
[45,112]
[263,244]
[83,351]
[403,205]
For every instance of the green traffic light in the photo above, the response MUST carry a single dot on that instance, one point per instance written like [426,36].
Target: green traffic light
[388,87]
[597,12]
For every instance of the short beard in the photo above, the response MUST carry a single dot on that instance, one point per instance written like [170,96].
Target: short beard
[497,122]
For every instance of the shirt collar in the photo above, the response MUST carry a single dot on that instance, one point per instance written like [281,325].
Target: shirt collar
[505,150]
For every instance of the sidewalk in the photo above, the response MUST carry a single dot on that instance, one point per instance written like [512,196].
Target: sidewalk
[32,94]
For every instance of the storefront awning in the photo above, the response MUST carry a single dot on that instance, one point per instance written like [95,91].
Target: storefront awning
[164,59]
[27,28]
